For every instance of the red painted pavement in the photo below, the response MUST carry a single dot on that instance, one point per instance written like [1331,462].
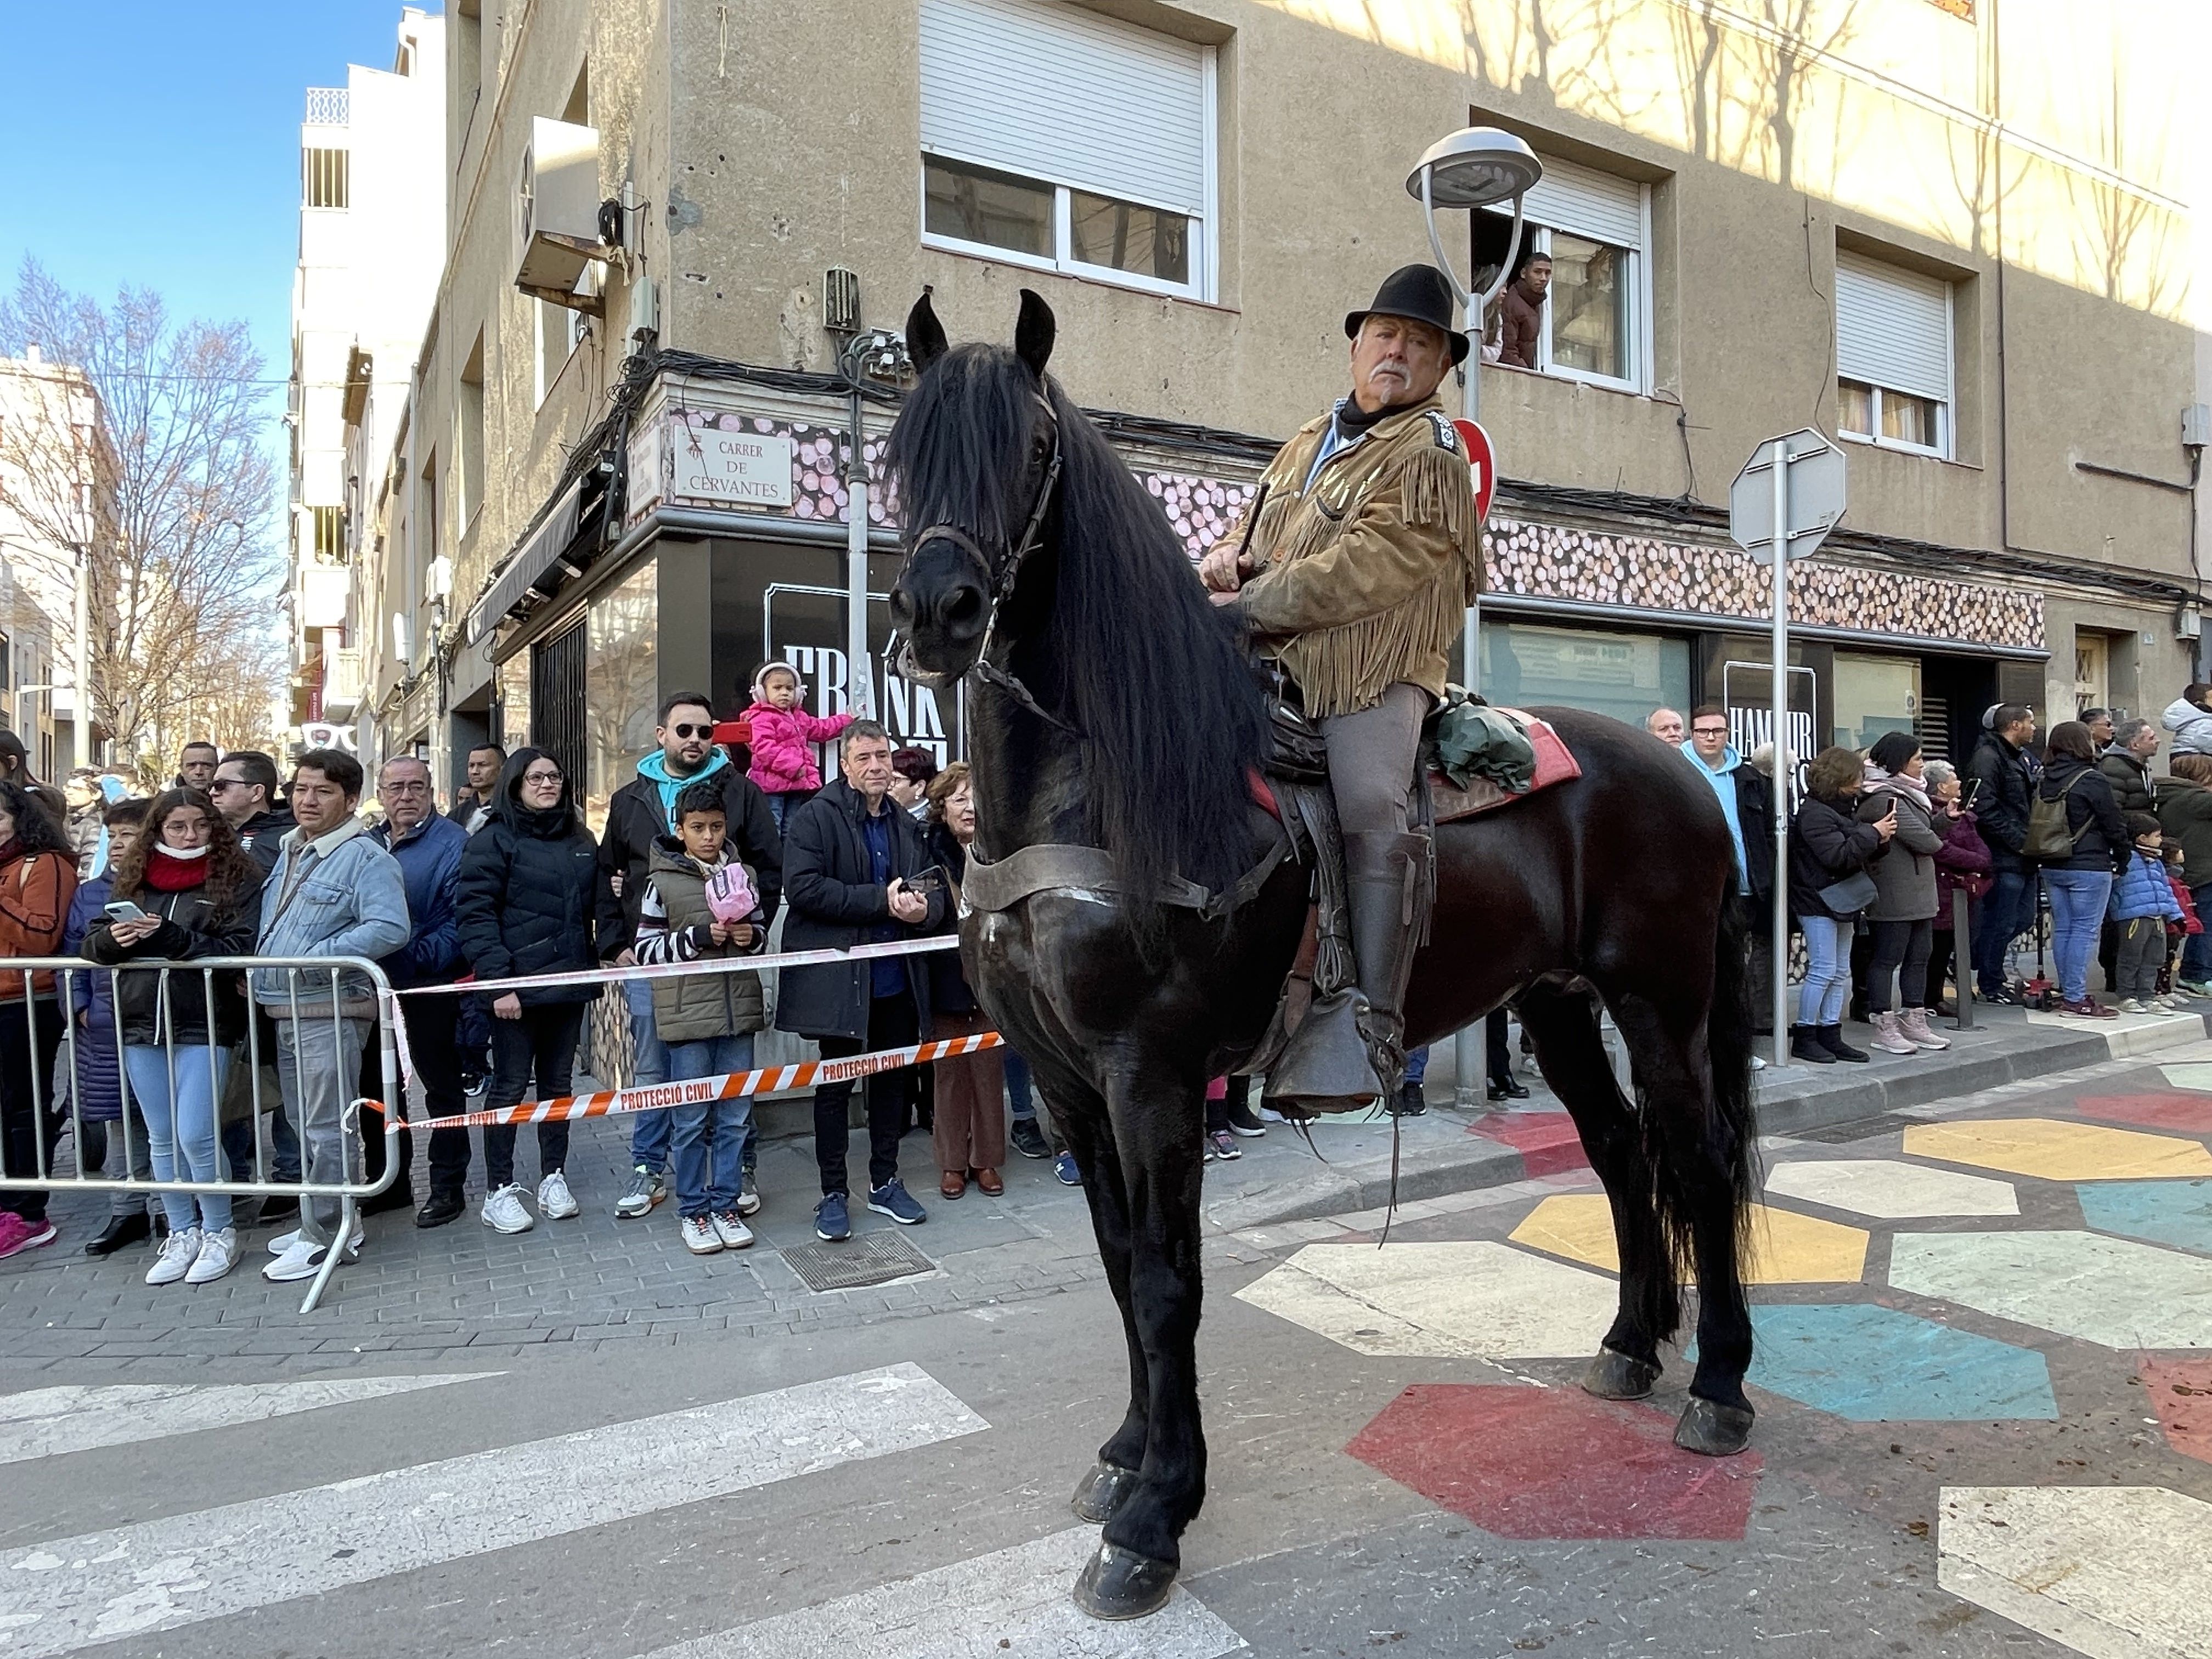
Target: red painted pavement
[2180,1392]
[2190,1114]
[1547,1141]
[1554,1463]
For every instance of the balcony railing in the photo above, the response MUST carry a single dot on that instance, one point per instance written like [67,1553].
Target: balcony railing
[341,681]
[327,107]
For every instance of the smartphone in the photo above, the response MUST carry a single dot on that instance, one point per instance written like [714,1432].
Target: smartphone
[926,884]
[1973,790]
[124,910]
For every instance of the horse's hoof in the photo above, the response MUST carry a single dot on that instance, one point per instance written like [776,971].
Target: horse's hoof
[1102,1491]
[1615,1375]
[1712,1429]
[1119,1584]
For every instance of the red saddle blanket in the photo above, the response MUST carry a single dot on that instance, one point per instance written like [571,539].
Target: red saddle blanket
[1555,763]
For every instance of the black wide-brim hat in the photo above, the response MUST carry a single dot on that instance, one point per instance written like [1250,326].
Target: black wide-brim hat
[1418,292]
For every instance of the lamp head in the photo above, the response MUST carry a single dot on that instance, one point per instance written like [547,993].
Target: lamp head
[1475,167]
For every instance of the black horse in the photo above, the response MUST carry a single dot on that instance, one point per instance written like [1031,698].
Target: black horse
[1117,710]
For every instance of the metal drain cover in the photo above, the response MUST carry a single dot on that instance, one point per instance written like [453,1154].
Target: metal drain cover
[1859,1128]
[871,1259]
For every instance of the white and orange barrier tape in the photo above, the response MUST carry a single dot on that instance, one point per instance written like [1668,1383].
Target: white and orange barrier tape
[692,1091]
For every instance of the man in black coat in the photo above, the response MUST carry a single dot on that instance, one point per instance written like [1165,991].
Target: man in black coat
[641,809]
[2000,780]
[848,858]
[244,791]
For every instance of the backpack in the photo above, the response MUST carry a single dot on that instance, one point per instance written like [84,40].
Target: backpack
[2047,838]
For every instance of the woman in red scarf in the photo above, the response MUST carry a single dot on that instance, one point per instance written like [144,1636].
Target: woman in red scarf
[38,879]
[200,894]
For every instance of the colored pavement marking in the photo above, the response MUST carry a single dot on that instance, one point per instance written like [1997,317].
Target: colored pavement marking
[1891,1189]
[1010,1601]
[1547,1141]
[1476,1300]
[2111,1291]
[2176,1212]
[1786,1248]
[2180,1392]
[48,1422]
[75,1593]
[1521,1462]
[2117,1572]
[2190,1075]
[1870,1364]
[2190,1114]
[2056,1150]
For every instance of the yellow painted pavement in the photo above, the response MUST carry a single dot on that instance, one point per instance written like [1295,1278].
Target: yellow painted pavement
[1786,1248]
[2056,1150]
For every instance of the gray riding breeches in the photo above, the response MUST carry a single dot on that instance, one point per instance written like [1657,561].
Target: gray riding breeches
[1371,760]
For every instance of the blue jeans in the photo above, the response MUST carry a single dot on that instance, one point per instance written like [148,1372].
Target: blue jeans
[2078,898]
[648,1136]
[2007,911]
[1018,1084]
[177,1101]
[1417,1066]
[709,1136]
[284,1145]
[2196,949]
[1828,970]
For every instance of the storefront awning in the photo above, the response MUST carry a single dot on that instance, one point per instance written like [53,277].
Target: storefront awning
[540,551]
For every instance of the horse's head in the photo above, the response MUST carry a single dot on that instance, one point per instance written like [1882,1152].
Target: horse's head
[976,458]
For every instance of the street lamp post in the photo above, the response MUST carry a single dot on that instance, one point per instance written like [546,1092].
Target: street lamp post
[1474,168]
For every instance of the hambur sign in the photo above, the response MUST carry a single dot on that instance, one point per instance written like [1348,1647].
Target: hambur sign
[1782,505]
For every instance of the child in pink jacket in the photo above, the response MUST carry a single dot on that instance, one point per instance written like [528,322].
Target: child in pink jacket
[783,738]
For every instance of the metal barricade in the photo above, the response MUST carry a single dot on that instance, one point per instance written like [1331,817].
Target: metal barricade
[312,1003]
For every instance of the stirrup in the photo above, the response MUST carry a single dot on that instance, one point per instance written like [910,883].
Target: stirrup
[1329,1064]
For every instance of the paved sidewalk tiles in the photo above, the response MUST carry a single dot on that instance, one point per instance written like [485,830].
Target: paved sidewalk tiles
[2054,1150]
[2111,1291]
[1786,1248]
[1890,1189]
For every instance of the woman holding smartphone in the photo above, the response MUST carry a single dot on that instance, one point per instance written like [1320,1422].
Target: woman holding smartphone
[183,891]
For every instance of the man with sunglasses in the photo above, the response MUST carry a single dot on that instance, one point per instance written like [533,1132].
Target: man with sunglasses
[641,809]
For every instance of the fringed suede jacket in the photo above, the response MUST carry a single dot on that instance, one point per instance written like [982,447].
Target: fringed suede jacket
[1368,563]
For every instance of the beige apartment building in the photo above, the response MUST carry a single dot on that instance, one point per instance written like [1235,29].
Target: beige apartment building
[1952,234]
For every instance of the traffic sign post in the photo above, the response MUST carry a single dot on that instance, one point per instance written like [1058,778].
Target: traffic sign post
[1469,1060]
[1782,506]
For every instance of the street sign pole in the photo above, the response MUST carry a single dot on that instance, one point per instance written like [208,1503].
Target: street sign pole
[1779,963]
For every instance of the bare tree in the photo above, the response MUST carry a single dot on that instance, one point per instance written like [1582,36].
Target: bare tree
[179,565]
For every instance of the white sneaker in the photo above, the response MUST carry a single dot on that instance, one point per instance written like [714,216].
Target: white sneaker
[285,1243]
[2131,1007]
[302,1261]
[218,1255]
[178,1251]
[504,1211]
[555,1199]
[748,1196]
[731,1229]
[699,1235]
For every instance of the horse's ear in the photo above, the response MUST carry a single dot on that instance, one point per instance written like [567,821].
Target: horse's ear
[1034,333]
[924,335]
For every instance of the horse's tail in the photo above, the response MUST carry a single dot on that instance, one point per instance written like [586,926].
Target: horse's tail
[1729,1045]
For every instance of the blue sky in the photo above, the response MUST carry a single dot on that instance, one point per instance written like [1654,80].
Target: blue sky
[155,143]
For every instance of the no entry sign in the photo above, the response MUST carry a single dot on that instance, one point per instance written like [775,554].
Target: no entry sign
[1481,461]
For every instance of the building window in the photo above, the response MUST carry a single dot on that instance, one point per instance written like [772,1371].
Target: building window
[329,532]
[323,180]
[1873,696]
[469,439]
[1594,227]
[622,687]
[1054,137]
[1892,357]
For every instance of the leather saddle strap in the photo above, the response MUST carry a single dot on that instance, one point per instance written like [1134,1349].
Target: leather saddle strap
[1054,867]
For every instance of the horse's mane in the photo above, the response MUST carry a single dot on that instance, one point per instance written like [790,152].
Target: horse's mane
[1154,676]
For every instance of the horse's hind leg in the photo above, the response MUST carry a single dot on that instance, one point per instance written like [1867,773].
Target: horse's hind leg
[1704,1197]
[1570,1052]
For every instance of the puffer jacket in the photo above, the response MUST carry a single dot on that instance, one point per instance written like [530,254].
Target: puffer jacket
[1826,845]
[2005,780]
[783,746]
[2185,812]
[2191,725]
[2132,785]
[529,887]
[35,890]
[1904,870]
[836,902]
[98,1071]
[193,925]
[2142,889]
[673,926]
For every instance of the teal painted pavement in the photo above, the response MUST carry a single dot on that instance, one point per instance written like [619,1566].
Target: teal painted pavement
[1870,1364]
[2176,1212]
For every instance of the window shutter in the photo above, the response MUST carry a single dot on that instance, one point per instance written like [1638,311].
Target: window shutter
[1035,87]
[1584,202]
[1892,327]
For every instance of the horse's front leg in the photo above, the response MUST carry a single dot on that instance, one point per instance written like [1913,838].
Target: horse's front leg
[1157,1123]
[1090,1137]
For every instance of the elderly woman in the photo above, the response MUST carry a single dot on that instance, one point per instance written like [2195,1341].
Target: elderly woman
[1962,864]
[970,1131]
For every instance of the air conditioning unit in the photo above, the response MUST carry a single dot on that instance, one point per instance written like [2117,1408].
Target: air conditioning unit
[557,213]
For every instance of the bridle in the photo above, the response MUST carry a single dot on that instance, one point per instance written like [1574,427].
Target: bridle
[999,580]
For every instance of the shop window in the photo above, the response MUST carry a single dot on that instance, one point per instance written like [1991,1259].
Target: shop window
[622,687]
[1873,696]
[1623,675]
[1056,137]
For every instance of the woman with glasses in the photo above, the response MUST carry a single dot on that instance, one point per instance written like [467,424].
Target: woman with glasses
[529,886]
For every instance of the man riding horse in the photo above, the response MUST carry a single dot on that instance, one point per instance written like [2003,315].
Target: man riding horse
[1354,574]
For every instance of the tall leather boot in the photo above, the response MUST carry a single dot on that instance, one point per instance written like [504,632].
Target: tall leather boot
[1349,1051]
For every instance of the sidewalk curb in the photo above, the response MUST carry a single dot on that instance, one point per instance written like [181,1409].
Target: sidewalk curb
[1814,1100]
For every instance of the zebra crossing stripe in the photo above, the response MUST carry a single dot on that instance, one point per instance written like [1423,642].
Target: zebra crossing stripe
[73,1592]
[1011,1602]
[50,1422]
